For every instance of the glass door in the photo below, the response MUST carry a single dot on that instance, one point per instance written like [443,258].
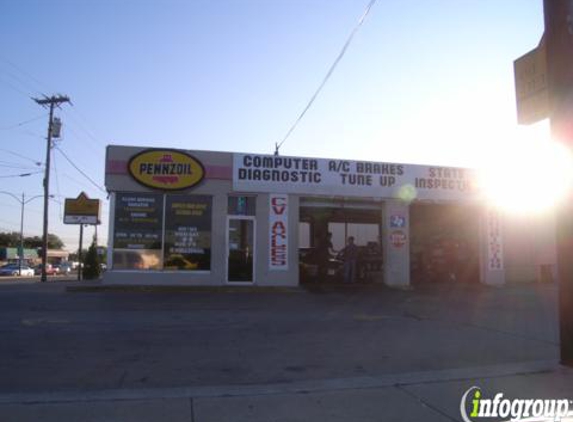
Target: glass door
[240,249]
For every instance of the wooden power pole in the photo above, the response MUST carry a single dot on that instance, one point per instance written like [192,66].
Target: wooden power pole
[51,102]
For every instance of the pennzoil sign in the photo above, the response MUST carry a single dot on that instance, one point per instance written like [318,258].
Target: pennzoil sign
[166,169]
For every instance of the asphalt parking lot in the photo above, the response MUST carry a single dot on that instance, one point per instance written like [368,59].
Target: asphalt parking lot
[54,340]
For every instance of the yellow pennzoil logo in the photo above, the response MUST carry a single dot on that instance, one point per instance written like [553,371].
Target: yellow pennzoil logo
[166,169]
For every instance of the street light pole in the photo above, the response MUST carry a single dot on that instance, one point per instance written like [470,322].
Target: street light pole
[22,202]
[21,251]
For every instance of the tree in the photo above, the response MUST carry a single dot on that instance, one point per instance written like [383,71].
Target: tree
[10,239]
[74,256]
[91,268]
[54,242]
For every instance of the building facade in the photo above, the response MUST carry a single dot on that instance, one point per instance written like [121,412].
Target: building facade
[220,218]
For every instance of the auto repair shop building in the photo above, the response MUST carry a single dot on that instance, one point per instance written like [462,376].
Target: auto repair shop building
[219,218]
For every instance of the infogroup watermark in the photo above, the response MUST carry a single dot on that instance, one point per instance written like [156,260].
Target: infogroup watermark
[474,406]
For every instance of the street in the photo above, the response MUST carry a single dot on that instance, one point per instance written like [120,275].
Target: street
[53,340]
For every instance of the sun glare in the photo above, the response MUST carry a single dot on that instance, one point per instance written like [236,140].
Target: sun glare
[529,178]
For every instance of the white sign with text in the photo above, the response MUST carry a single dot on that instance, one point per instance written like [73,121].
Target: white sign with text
[268,173]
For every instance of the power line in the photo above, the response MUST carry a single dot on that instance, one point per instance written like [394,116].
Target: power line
[79,170]
[328,74]
[16,154]
[57,183]
[82,127]
[18,90]
[21,70]
[21,81]
[73,179]
[20,175]
[41,116]
[87,144]
[9,165]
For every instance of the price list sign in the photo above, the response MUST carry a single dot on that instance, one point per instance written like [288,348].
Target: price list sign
[137,234]
[187,233]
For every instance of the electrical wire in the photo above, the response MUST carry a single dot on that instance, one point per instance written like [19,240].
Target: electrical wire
[24,122]
[78,169]
[82,126]
[9,165]
[25,73]
[21,82]
[16,154]
[73,179]
[7,176]
[87,144]
[16,89]
[328,74]
[55,170]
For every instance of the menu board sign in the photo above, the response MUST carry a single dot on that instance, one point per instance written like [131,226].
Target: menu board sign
[138,219]
[137,234]
[187,233]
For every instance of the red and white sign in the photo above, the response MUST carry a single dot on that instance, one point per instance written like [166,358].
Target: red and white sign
[278,240]
[494,241]
[397,238]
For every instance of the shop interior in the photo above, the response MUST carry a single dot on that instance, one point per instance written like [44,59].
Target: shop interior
[444,243]
[342,219]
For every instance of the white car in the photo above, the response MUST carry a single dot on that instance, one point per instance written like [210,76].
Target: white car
[14,270]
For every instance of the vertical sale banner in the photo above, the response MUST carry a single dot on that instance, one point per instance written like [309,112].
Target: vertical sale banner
[278,232]
[494,241]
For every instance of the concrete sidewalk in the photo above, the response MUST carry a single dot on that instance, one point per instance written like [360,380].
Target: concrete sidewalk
[432,396]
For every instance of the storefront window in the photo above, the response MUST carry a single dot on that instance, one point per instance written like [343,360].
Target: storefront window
[187,233]
[138,229]
[241,205]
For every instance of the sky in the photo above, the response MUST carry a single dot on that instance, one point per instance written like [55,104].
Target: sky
[426,82]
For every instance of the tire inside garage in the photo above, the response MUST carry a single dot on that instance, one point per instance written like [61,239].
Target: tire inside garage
[444,244]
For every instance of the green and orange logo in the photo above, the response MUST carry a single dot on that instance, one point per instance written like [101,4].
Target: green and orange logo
[166,169]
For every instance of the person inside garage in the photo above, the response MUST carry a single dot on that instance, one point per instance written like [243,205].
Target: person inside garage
[324,252]
[350,257]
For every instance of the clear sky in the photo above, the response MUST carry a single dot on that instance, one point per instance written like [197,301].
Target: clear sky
[429,81]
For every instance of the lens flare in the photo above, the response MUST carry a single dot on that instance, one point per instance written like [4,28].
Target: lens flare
[530,178]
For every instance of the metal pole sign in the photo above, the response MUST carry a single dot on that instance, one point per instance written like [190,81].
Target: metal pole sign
[82,210]
[531,87]
[559,43]
[80,266]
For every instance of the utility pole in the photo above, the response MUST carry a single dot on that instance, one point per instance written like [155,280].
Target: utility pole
[53,101]
[21,253]
[80,252]
[559,44]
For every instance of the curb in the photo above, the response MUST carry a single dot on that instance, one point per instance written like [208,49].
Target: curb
[126,288]
[298,387]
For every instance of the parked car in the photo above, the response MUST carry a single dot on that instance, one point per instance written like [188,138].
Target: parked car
[308,267]
[63,268]
[50,269]
[14,270]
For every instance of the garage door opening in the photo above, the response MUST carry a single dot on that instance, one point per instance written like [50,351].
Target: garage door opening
[444,243]
[342,219]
